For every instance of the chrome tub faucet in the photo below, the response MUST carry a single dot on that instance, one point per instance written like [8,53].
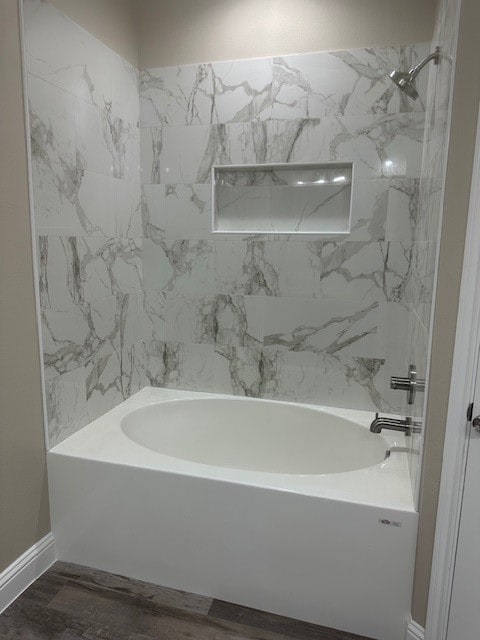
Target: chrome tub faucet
[408,425]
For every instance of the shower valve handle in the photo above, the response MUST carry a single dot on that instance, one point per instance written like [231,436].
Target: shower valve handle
[412,384]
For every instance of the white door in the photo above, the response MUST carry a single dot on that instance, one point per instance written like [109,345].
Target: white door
[464,619]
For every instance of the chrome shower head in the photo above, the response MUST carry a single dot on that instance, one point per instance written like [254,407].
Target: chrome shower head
[405,80]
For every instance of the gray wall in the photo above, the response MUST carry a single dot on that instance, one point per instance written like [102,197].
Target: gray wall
[114,22]
[24,514]
[187,31]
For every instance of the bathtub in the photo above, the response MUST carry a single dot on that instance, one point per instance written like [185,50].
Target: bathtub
[293,509]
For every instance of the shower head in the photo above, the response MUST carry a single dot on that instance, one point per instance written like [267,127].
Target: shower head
[405,80]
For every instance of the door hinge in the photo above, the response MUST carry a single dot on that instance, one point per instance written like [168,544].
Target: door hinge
[470,412]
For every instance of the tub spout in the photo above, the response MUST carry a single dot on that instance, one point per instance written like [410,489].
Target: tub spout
[408,426]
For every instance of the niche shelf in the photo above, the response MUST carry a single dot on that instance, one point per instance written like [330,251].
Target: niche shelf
[282,198]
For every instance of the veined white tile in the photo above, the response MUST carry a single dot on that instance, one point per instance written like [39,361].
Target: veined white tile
[72,202]
[178,267]
[66,404]
[153,211]
[67,339]
[299,267]
[350,82]
[52,122]
[190,319]
[190,152]
[369,210]
[92,131]
[178,365]
[152,97]
[151,156]
[220,319]
[59,278]
[154,317]
[96,203]
[403,206]
[244,371]
[245,208]
[189,94]
[125,90]
[129,317]
[128,208]
[56,206]
[380,146]
[188,212]
[364,270]
[220,92]
[103,318]
[393,334]
[353,383]
[109,266]
[329,326]
[60,51]
[248,268]
[334,83]
[103,381]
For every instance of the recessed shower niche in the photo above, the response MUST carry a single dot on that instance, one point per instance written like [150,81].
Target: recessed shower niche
[282,198]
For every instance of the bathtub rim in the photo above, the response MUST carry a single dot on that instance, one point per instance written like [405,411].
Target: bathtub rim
[386,484]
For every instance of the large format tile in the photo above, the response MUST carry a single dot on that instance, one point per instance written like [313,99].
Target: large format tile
[245,268]
[365,270]
[221,319]
[152,97]
[66,400]
[154,220]
[52,122]
[379,146]
[323,326]
[220,92]
[59,51]
[353,82]
[183,266]
[178,365]
[125,89]
[108,267]
[188,212]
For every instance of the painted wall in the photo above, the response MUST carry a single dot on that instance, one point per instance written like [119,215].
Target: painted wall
[188,31]
[24,513]
[457,193]
[114,22]
[84,109]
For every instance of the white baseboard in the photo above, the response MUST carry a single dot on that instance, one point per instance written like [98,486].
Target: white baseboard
[25,570]
[414,631]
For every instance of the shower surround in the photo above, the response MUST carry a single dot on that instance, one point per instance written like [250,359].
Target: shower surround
[134,288]
[286,317]
[84,110]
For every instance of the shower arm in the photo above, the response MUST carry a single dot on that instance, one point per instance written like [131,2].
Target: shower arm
[436,56]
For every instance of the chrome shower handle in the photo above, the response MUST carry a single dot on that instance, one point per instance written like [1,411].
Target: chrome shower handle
[412,384]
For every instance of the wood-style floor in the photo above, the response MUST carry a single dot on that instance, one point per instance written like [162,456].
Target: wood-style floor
[70,602]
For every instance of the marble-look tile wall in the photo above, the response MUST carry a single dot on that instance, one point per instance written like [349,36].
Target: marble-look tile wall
[430,205]
[297,317]
[136,290]
[84,110]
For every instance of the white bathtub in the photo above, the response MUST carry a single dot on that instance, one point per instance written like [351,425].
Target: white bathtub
[288,508]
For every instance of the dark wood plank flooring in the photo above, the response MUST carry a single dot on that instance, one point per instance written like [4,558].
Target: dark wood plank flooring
[70,602]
